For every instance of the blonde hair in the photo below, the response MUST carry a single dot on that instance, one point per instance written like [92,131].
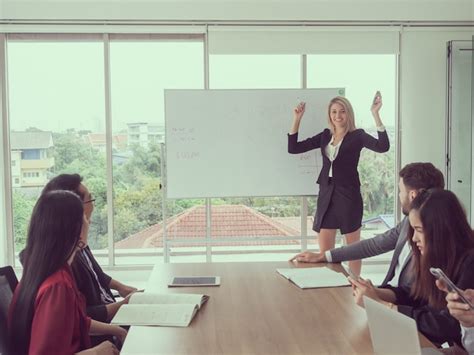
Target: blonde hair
[349,113]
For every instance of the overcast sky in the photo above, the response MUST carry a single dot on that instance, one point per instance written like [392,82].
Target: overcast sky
[56,86]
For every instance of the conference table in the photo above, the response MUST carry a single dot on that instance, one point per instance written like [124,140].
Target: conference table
[257,311]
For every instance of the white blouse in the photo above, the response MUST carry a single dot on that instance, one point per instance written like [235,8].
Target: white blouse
[331,152]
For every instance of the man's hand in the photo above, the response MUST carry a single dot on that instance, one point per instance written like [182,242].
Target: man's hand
[308,257]
[125,290]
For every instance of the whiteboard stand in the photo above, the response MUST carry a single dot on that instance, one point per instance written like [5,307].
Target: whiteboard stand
[208,231]
[304,223]
[166,251]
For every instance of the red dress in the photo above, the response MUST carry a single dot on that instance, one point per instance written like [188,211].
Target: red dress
[60,324]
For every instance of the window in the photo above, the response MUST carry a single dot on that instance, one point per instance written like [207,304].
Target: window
[362,76]
[65,133]
[64,105]
[263,217]
[138,96]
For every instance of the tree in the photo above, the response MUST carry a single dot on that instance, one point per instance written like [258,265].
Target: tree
[22,208]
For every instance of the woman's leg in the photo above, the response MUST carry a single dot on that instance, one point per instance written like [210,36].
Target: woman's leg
[326,239]
[355,265]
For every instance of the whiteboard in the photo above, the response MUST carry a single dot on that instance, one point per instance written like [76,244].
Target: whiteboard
[231,143]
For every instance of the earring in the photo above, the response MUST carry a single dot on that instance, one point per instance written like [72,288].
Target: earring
[81,245]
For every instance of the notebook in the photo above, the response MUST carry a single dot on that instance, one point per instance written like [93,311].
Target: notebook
[314,277]
[174,310]
[393,332]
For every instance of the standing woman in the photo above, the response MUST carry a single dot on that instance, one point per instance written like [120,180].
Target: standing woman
[47,312]
[339,203]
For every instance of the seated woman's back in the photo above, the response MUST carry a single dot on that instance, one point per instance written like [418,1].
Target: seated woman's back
[47,313]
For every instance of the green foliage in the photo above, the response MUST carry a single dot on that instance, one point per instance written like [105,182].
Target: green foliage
[138,199]
[69,147]
[22,208]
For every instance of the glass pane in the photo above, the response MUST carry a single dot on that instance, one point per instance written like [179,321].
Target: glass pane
[140,72]
[460,139]
[56,92]
[362,76]
[236,220]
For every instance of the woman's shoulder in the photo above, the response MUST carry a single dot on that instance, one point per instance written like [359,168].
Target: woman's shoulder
[468,260]
[60,278]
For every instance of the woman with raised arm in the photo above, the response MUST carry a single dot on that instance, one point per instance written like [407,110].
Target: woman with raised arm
[47,312]
[339,203]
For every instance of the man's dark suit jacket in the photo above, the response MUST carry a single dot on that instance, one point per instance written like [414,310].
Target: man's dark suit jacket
[87,284]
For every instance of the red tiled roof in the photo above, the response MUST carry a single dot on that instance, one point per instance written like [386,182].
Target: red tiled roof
[100,138]
[227,221]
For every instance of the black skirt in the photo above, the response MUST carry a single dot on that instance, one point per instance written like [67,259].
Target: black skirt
[339,207]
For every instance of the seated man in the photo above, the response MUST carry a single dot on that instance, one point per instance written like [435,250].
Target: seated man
[93,283]
[413,178]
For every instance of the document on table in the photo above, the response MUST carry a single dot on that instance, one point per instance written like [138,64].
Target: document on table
[174,310]
[314,277]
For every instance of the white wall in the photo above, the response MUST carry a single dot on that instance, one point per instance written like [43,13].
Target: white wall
[3,229]
[423,93]
[285,10]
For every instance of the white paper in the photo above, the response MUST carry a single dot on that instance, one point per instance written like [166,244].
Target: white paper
[314,277]
[167,298]
[177,315]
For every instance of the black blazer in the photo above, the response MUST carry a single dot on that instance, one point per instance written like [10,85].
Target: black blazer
[87,284]
[437,325]
[344,167]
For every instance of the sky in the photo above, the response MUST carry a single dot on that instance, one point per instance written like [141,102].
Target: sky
[60,85]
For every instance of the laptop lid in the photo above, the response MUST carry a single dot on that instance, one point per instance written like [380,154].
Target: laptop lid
[391,332]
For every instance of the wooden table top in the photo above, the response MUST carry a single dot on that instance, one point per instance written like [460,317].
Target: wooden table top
[257,311]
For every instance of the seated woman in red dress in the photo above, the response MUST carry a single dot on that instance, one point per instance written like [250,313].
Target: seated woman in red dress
[47,313]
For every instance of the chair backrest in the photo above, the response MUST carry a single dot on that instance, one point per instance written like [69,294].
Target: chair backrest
[8,283]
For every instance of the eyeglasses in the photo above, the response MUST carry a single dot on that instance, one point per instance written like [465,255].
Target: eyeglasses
[89,201]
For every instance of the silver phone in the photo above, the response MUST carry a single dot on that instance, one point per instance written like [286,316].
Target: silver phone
[350,272]
[440,275]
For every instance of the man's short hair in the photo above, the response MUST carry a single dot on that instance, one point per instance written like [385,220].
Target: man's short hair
[418,176]
[69,182]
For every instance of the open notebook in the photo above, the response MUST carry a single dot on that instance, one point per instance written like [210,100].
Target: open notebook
[173,310]
[314,277]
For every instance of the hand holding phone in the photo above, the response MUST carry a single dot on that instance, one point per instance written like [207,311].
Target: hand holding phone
[440,275]
[350,272]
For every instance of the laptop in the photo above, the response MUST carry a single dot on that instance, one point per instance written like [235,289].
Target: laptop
[392,332]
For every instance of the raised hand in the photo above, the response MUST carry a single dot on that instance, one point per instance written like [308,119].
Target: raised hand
[376,103]
[298,111]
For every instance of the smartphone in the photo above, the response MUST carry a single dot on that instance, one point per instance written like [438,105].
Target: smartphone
[349,271]
[440,275]
[194,281]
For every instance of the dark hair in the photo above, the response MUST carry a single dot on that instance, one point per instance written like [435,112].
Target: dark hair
[53,232]
[418,176]
[69,182]
[448,239]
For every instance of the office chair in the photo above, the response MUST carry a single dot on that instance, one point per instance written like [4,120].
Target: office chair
[8,283]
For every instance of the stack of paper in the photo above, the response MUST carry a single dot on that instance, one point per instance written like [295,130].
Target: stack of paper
[175,310]
[314,277]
